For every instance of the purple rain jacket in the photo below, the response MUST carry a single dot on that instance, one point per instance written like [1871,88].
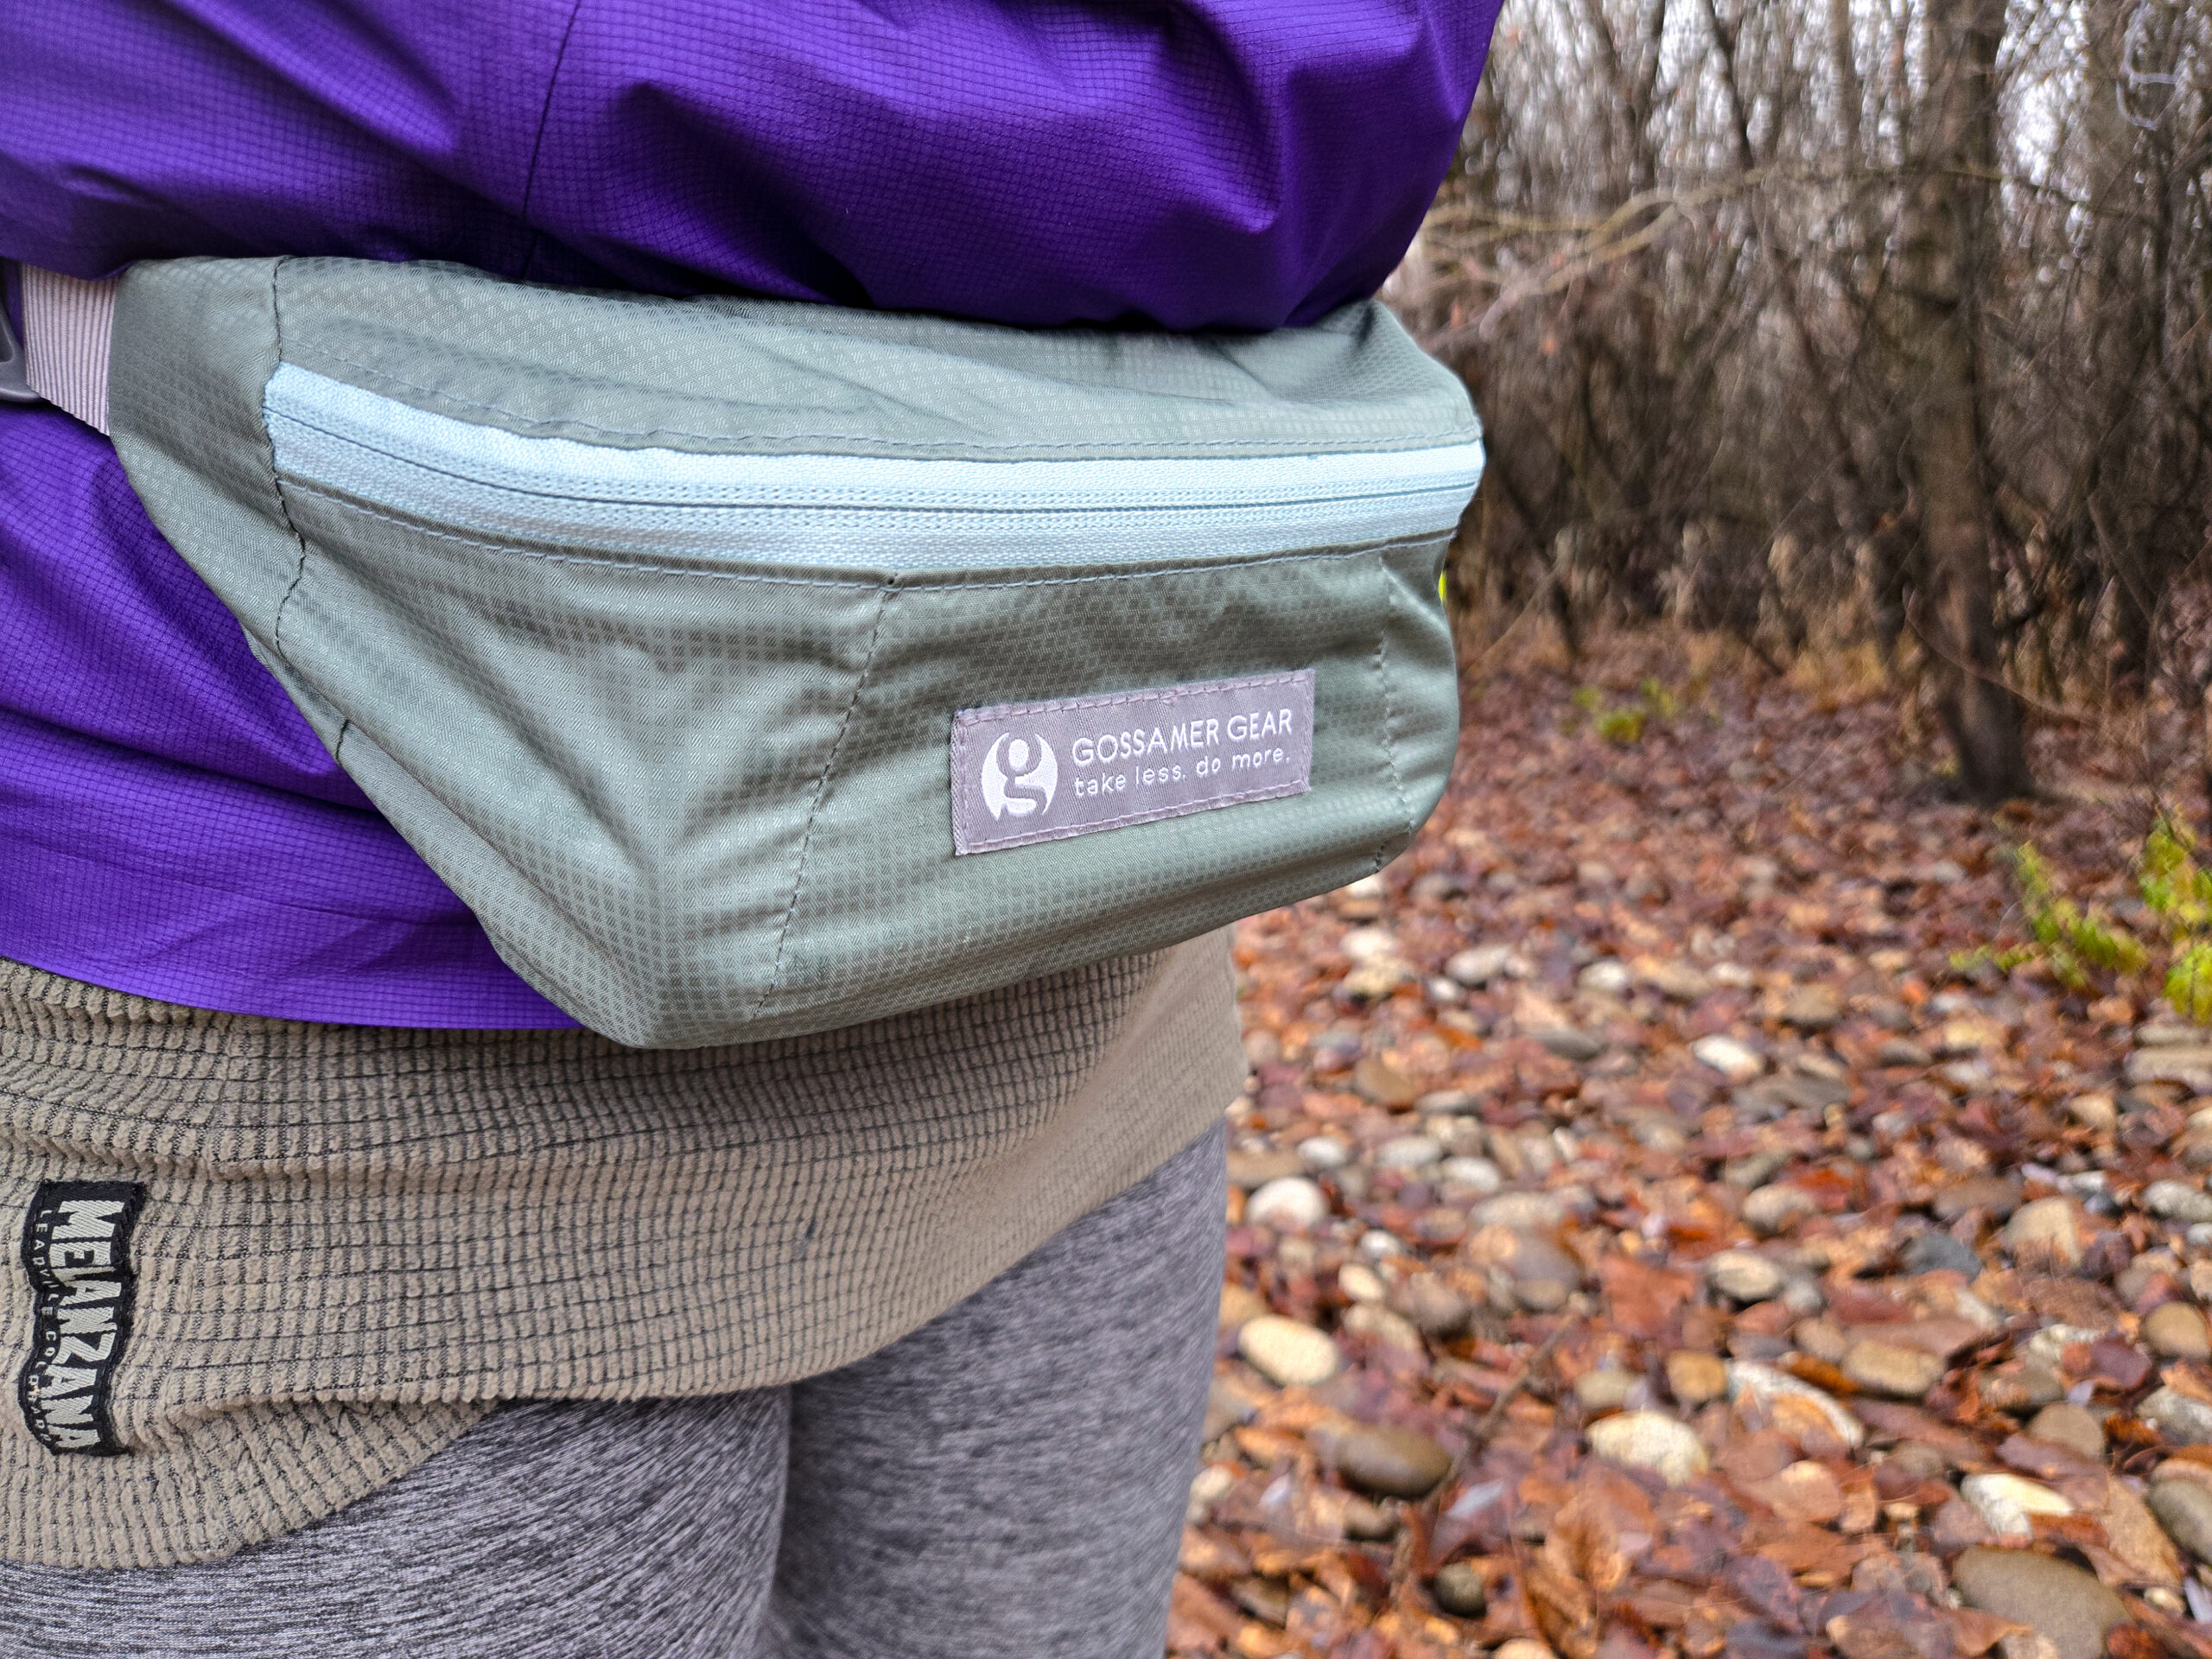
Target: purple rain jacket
[169,824]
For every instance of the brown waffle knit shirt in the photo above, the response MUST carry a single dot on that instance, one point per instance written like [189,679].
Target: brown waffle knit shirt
[355,1240]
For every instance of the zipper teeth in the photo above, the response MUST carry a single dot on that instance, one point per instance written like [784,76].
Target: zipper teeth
[1444,472]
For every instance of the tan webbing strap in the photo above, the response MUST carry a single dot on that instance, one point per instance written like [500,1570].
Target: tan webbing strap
[67,322]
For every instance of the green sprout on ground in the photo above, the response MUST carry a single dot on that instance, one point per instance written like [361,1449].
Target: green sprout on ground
[1623,725]
[2082,948]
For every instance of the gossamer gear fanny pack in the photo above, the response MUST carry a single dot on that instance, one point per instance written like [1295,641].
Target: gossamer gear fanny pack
[753,668]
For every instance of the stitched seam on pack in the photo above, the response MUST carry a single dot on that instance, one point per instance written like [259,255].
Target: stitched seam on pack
[276,478]
[1427,439]
[814,808]
[1389,714]
[1115,700]
[1402,544]
[537,141]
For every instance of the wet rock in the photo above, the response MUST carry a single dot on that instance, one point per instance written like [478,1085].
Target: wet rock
[1389,1462]
[2176,1330]
[1777,1208]
[1291,1204]
[1461,1591]
[2180,1418]
[2005,1502]
[1935,1251]
[2184,1510]
[1693,1378]
[2075,1428]
[2046,1233]
[1744,1276]
[1886,1369]
[1288,1354]
[1649,1439]
[2178,1201]
[1730,1058]
[2064,1604]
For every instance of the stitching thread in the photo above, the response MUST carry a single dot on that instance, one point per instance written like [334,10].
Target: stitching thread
[1426,439]
[1115,700]
[814,808]
[1389,715]
[275,480]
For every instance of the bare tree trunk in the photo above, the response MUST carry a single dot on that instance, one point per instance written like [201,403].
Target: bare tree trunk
[1950,256]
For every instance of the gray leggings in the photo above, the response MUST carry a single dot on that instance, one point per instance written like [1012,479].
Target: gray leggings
[1009,1480]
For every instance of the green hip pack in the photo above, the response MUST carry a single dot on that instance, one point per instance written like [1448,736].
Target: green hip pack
[753,668]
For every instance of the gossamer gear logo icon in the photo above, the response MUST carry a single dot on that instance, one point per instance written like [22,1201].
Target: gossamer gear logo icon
[1030,772]
[1026,783]
[77,1250]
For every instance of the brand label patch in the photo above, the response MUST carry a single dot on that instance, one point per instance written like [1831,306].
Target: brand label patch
[1030,772]
[77,1250]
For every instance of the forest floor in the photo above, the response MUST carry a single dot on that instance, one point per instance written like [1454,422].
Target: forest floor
[1655,1231]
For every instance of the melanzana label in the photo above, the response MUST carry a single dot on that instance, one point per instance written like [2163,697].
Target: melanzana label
[77,1250]
[1030,772]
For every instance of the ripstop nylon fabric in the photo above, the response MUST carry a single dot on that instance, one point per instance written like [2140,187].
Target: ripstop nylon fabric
[355,1239]
[702,795]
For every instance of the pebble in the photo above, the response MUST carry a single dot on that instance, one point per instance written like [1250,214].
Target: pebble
[2178,1201]
[1291,1203]
[1728,1056]
[1649,1439]
[1899,1373]
[1479,1174]
[1249,1169]
[2005,1502]
[2046,1232]
[2184,1510]
[2176,1330]
[1240,1305]
[1323,1151]
[1606,976]
[1811,1008]
[1675,980]
[1763,1384]
[1570,1043]
[1693,1378]
[2075,1427]
[1477,966]
[2093,1112]
[1935,1251]
[1360,1283]
[1408,1151]
[2062,1602]
[1521,1647]
[1379,1324]
[2180,1418]
[1288,1354]
[1389,1462]
[1604,1391]
[1746,1276]
[1521,1211]
[1461,1591]
[1777,1208]
[1902,1051]
[1435,1308]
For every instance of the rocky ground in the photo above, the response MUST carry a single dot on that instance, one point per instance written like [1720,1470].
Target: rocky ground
[1651,1234]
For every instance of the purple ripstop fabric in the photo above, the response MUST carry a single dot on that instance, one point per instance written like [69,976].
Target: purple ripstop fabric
[169,824]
